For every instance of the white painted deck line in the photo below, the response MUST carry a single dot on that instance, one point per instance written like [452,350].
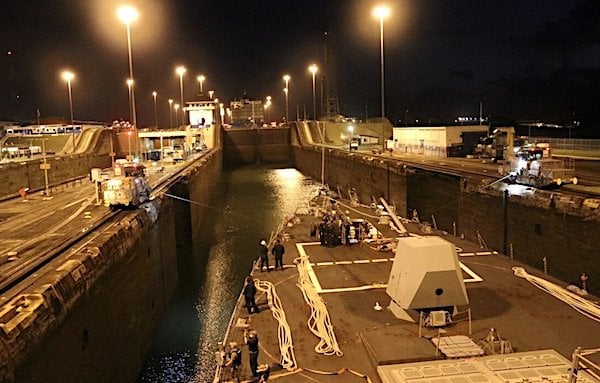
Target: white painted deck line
[324,264]
[471,273]
[315,280]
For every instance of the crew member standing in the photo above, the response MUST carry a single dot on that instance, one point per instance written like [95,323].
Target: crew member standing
[278,251]
[235,360]
[264,255]
[23,193]
[249,295]
[251,340]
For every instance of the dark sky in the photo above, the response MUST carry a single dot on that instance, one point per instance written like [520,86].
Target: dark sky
[524,59]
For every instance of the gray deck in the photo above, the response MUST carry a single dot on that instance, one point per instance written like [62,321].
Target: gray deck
[521,313]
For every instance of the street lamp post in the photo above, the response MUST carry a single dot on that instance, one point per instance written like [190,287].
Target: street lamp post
[180,70]
[127,15]
[313,69]
[45,166]
[154,94]
[266,106]
[381,12]
[286,90]
[210,93]
[201,79]
[129,144]
[171,113]
[176,106]
[129,86]
[68,76]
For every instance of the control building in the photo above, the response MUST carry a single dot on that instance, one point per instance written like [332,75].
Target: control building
[247,112]
[437,141]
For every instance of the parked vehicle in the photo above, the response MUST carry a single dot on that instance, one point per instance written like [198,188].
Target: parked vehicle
[533,165]
[128,186]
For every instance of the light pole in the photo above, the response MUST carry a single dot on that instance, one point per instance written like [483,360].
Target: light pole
[180,70]
[266,106]
[268,102]
[129,86]
[351,135]
[286,90]
[68,76]
[210,93]
[176,106]
[128,15]
[129,144]
[313,69]
[381,12]
[171,113]
[46,167]
[154,94]
[201,79]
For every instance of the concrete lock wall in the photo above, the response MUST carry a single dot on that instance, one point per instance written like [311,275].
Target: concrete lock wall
[248,146]
[564,231]
[14,176]
[103,308]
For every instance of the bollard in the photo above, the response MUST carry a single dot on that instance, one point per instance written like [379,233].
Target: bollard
[545,260]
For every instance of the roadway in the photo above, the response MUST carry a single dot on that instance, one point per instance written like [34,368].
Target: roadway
[586,170]
[35,230]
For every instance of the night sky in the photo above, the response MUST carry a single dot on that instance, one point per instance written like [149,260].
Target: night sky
[523,59]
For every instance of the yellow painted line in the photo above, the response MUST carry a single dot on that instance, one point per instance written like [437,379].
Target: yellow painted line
[324,264]
[380,260]
[343,262]
[362,261]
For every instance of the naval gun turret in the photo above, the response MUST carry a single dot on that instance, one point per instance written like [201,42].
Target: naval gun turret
[426,278]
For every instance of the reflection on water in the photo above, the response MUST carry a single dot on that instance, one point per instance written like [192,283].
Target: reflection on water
[250,204]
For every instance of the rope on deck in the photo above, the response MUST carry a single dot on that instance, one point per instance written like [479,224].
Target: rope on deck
[318,372]
[582,305]
[284,333]
[319,322]
[340,372]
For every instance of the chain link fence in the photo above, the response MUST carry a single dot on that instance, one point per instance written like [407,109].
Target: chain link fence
[571,143]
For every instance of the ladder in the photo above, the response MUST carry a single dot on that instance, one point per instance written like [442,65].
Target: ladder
[481,241]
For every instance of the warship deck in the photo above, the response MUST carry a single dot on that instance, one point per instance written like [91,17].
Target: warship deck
[373,345]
